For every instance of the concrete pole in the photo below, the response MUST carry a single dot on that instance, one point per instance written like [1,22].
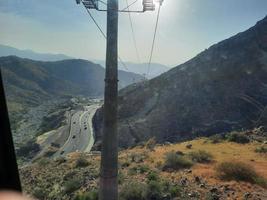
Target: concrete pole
[109,153]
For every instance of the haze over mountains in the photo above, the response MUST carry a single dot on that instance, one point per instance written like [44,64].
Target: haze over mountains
[142,68]
[223,88]
[154,70]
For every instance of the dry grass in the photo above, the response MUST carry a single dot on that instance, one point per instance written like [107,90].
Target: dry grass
[221,152]
[145,161]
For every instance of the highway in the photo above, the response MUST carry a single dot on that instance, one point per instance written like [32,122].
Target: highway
[81,136]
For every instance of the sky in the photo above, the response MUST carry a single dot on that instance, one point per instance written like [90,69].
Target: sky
[186,27]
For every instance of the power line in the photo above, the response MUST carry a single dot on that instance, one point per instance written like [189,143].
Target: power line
[153,43]
[103,2]
[133,34]
[104,35]
[129,5]
[99,28]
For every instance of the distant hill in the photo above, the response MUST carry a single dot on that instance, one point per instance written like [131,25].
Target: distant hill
[11,51]
[142,68]
[223,88]
[156,69]
[28,82]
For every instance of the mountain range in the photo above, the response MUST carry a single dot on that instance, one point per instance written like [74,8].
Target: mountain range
[11,51]
[142,68]
[222,89]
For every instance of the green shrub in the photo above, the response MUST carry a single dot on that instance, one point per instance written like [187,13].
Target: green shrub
[29,149]
[152,190]
[176,162]
[133,191]
[71,185]
[81,162]
[240,172]
[200,156]
[161,189]
[237,137]
[139,169]
[152,176]
[261,149]
[121,177]
[93,195]
[43,162]
[155,190]
[39,193]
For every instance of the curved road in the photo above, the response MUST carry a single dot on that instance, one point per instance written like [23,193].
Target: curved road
[81,137]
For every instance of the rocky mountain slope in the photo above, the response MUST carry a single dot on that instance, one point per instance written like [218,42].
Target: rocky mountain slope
[223,88]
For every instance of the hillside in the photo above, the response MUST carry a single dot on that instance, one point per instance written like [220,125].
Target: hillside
[29,82]
[221,89]
[148,172]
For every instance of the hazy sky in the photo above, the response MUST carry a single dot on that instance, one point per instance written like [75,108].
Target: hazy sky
[186,27]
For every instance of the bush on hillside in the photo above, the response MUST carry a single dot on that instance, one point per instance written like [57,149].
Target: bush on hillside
[39,193]
[200,156]
[261,149]
[133,191]
[152,190]
[175,162]
[239,171]
[81,162]
[237,137]
[29,149]
[139,169]
[152,176]
[71,185]
[92,195]
[43,161]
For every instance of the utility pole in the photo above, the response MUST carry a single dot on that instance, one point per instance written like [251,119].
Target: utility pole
[109,153]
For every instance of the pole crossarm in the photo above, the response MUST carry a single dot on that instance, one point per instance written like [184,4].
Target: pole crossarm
[148,5]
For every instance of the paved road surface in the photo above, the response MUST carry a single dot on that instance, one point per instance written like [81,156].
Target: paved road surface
[81,137]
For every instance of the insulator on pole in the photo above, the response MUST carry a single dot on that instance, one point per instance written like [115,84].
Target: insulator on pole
[148,5]
[90,4]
